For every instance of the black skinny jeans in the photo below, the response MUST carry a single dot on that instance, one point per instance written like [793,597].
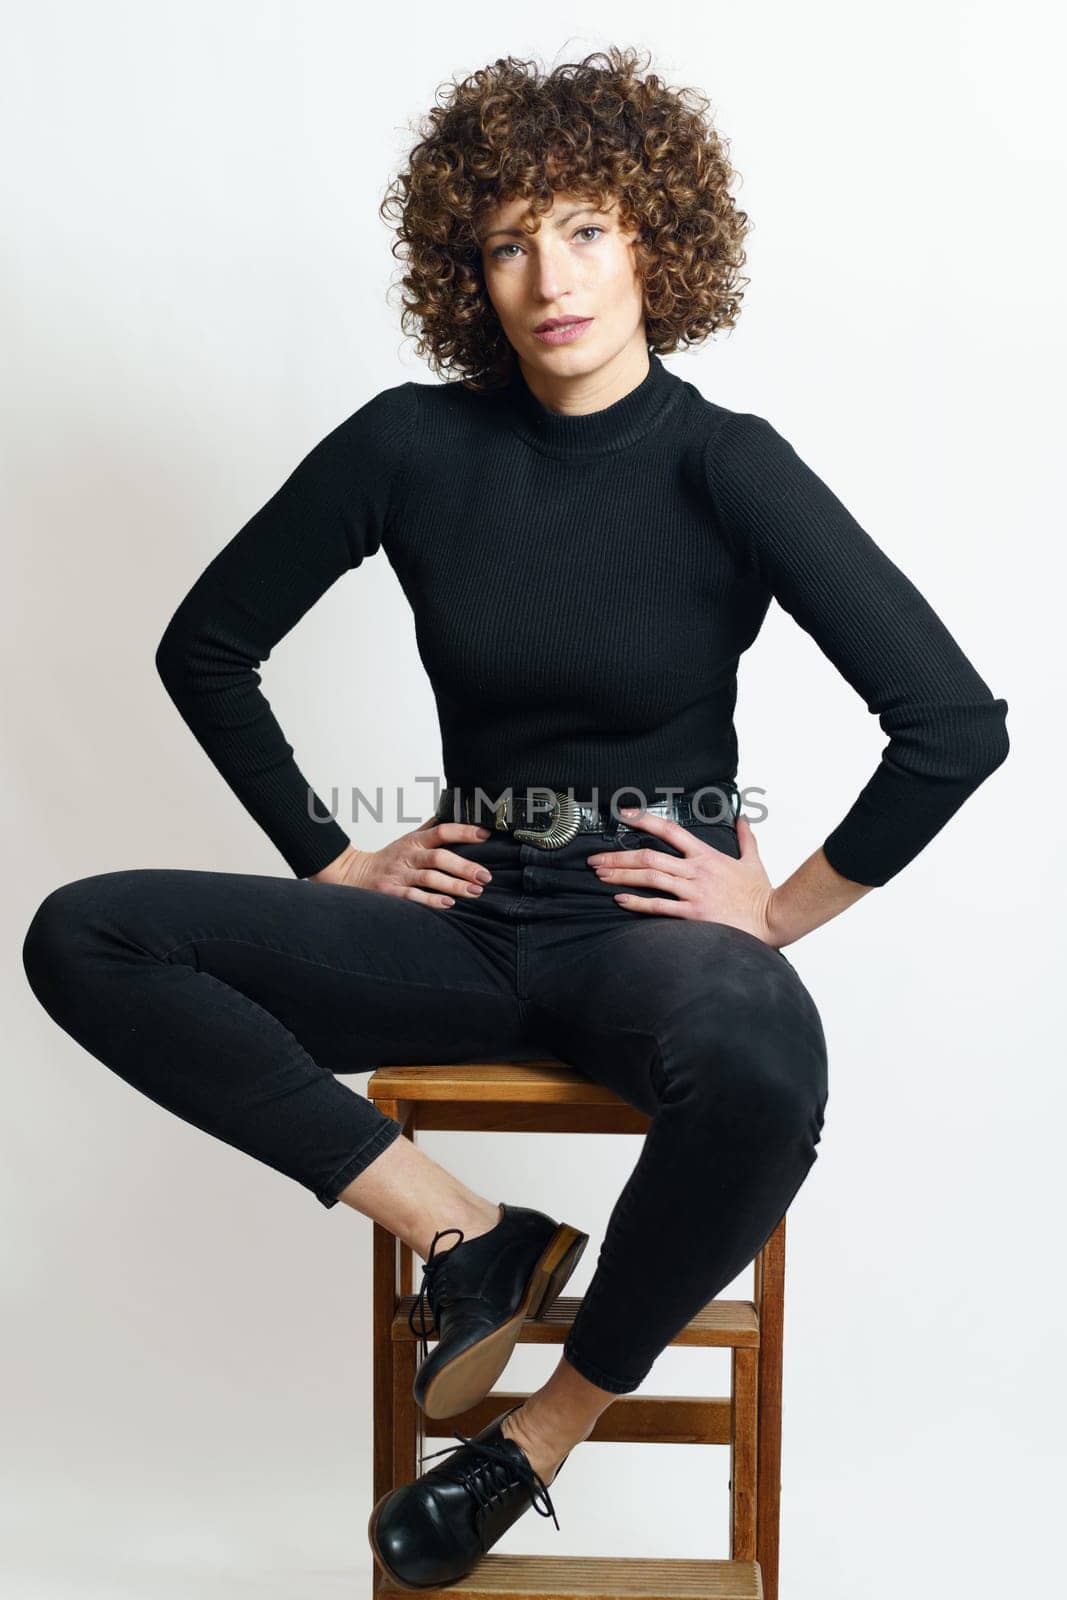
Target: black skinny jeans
[235,1001]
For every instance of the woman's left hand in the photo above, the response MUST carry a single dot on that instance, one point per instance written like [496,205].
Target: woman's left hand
[709,885]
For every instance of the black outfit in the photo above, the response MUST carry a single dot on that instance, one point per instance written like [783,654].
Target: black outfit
[583,587]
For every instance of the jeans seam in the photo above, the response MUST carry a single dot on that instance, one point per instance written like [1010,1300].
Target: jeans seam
[327,966]
[520,971]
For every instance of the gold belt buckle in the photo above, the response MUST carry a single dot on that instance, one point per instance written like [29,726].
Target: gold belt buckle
[563,824]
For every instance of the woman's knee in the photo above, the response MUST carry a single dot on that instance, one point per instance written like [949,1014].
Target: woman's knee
[65,928]
[757,1065]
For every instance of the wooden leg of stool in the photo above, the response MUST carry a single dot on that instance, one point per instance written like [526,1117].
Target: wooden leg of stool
[770,1301]
[384,1296]
[404,1111]
[744,1380]
[407,1418]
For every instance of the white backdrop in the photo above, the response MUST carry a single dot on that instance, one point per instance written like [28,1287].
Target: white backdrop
[195,282]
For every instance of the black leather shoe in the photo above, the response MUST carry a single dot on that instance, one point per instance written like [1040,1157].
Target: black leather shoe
[433,1531]
[479,1292]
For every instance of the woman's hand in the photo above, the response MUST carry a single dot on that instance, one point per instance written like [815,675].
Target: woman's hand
[417,858]
[710,885]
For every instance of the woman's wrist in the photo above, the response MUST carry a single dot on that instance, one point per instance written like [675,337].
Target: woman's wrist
[815,894]
[340,869]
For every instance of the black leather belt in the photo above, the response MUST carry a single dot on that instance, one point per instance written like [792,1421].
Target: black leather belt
[547,817]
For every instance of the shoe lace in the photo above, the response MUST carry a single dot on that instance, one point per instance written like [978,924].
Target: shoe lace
[427,1297]
[492,1476]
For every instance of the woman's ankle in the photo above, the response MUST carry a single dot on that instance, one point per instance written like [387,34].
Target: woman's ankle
[544,1454]
[472,1218]
[414,1197]
[548,1432]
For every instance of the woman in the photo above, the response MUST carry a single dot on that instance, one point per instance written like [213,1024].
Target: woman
[588,545]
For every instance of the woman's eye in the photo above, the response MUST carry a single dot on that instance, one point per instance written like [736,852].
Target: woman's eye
[498,252]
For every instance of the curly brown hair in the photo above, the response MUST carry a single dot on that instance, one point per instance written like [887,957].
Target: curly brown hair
[594,128]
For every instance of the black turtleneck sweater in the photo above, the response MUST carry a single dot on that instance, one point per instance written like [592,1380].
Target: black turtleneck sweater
[583,588]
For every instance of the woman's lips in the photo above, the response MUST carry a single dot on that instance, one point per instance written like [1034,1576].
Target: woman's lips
[565,335]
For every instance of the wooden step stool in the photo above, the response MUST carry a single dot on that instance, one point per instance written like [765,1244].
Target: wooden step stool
[550,1097]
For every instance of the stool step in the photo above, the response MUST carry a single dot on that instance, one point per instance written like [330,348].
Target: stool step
[506,1577]
[629,1419]
[733,1324]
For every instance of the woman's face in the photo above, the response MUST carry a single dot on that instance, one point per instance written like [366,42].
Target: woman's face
[580,263]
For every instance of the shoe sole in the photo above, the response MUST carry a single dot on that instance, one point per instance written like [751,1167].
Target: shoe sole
[470,1375]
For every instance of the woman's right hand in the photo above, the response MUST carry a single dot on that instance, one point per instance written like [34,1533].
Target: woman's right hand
[417,866]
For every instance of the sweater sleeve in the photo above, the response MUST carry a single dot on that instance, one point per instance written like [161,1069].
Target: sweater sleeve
[327,517]
[946,731]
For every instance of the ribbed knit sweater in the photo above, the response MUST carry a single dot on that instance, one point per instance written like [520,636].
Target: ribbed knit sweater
[583,588]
